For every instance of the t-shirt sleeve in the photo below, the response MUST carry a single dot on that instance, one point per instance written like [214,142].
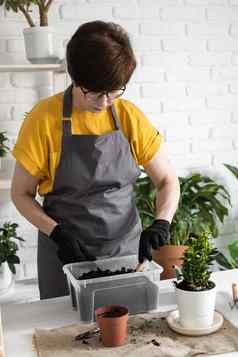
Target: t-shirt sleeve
[144,138]
[31,149]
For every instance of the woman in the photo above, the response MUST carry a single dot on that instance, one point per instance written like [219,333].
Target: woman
[80,150]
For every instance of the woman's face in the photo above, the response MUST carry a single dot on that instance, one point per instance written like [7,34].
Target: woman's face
[94,101]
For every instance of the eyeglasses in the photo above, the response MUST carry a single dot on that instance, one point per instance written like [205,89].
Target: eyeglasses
[110,95]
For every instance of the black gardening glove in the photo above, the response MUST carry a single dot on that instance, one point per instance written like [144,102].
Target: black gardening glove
[70,249]
[154,237]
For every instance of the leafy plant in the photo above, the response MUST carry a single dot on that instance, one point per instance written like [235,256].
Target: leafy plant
[3,147]
[9,248]
[230,262]
[201,206]
[195,272]
[232,169]
[145,200]
[24,6]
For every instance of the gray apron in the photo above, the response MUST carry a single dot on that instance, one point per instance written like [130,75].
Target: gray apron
[93,191]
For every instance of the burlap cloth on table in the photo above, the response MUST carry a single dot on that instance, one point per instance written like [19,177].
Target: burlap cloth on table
[147,336]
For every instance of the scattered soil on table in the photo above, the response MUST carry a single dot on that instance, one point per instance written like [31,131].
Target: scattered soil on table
[99,273]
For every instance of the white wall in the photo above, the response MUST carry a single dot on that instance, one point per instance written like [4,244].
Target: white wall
[186,82]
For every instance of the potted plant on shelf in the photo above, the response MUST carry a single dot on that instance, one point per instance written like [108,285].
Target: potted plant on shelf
[8,254]
[202,204]
[3,147]
[38,36]
[195,292]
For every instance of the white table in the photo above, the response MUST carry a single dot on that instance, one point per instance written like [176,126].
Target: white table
[19,320]
[21,291]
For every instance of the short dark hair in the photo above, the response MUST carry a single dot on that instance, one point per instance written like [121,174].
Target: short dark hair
[100,56]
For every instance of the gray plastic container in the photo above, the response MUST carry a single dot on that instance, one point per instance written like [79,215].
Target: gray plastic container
[138,291]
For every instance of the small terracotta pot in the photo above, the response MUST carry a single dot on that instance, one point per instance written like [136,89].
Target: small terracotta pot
[168,256]
[112,321]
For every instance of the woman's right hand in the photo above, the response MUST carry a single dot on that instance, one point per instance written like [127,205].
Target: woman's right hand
[70,249]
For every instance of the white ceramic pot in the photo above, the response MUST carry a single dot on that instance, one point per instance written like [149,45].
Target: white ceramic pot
[39,45]
[196,308]
[6,278]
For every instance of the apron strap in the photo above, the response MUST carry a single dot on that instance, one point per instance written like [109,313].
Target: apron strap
[67,131]
[67,111]
[115,117]
[67,102]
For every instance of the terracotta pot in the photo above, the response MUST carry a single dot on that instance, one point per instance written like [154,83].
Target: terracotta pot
[168,256]
[112,321]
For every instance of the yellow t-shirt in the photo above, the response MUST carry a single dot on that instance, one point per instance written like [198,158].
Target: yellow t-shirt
[38,146]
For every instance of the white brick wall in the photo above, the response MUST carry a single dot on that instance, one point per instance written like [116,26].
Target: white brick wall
[186,82]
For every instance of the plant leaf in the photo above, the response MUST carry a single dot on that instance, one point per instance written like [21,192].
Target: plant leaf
[13,259]
[232,169]
[233,250]
[12,268]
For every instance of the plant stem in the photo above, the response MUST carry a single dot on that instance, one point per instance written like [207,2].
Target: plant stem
[48,4]
[40,5]
[43,18]
[43,10]
[27,16]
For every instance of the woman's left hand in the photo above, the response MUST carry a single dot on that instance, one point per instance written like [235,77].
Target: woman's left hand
[154,237]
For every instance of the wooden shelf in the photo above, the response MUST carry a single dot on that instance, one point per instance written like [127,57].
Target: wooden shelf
[5,184]
[28,67]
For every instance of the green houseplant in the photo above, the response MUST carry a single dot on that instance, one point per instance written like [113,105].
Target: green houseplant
[195,292]
[201,206]
[232,169]
[8,247]
[8,255]
[3,147]
[231,260]
[145,199]
[38,36]
[194,274]
[25,7]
